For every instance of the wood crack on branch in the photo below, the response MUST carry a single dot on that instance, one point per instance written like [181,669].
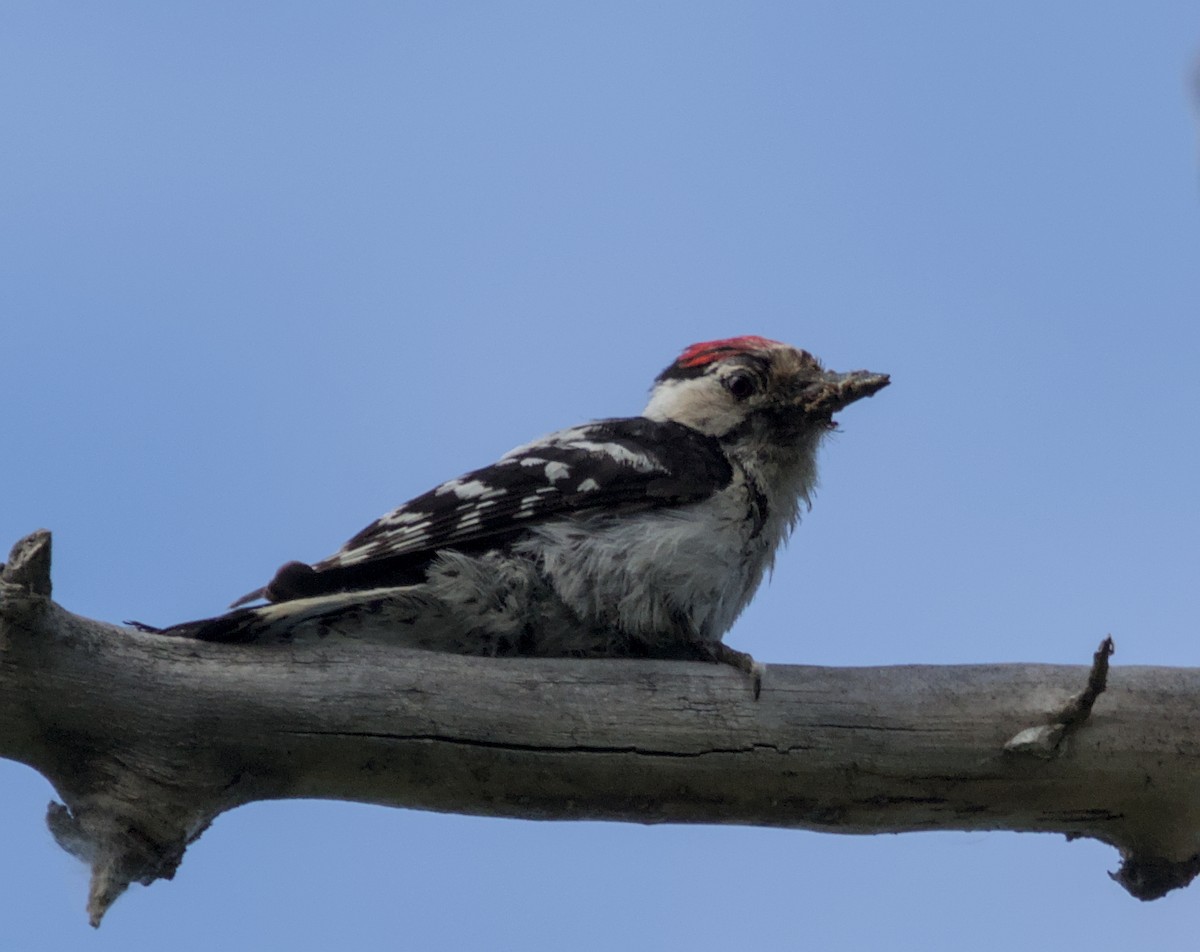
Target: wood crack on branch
[531,749]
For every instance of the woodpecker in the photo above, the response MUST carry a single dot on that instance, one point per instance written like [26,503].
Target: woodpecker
[641,536]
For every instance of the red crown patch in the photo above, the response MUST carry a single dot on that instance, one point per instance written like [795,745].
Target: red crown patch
[700,354]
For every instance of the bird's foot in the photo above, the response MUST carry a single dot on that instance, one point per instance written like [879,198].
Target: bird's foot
[720,653]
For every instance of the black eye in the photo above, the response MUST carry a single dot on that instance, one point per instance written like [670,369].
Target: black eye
[740,385]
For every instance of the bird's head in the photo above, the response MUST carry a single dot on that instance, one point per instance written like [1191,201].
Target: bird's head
[754,389]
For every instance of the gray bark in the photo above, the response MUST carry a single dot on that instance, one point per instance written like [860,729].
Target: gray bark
[147,738]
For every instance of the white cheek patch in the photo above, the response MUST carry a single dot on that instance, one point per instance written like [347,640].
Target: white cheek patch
[662,401]
[701,403]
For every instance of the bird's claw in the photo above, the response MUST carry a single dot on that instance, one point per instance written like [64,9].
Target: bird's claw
[721,653]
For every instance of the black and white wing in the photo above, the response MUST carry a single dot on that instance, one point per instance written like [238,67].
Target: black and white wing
[617,466]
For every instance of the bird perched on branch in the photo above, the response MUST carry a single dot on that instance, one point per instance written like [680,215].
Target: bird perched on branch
[644,536]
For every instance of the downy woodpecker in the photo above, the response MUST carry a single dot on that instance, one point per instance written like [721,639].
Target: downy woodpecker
[642,536]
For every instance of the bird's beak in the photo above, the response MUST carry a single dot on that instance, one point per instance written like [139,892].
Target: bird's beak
[833,391]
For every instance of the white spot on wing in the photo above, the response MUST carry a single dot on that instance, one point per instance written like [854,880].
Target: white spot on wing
[589,485]
[403,541]
[416,536]
[470,489]
[619,454]
[557,471]
[402,517]
[561,438]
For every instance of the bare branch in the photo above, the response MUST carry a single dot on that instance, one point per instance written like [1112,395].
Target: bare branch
[148,738]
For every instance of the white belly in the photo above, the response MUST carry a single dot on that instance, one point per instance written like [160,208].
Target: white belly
[675,573]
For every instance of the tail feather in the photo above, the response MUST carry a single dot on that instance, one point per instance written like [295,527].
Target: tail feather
[305,619]
[249,597]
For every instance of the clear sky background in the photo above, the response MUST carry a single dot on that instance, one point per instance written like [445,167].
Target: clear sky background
[269,269]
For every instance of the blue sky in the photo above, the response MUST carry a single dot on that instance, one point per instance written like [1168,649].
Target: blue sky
[268,270]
